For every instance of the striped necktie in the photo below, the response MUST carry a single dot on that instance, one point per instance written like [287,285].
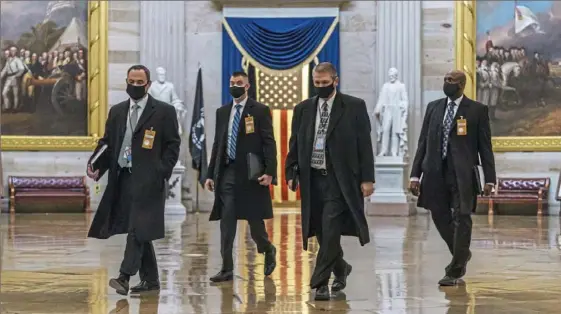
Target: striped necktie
[318,155]
[234,135]
[447,127]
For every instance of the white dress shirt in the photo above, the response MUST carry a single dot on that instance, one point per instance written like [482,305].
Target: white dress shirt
[322,101]
[141,105]
[232,114]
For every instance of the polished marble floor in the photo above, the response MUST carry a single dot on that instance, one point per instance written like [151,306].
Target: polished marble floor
[48,266]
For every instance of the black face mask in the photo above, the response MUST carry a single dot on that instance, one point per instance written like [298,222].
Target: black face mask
[237,91]
[451,89]
[136,92]
[325,91]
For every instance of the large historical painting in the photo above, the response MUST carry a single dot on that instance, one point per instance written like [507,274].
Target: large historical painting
[44,68]
[518,66]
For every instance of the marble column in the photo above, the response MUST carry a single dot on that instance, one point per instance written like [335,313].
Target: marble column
[399,45]
[163,44]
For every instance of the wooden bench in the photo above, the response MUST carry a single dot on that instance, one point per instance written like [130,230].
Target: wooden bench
[518,191]
[49,194]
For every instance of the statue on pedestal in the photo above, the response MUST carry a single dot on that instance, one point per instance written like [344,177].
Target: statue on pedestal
[164,91]
[391,114]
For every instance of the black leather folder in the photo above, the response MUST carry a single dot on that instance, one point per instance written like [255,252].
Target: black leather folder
[256,168]
[295,178]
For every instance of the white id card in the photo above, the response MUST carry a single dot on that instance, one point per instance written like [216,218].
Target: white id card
[320,143]
[128,154]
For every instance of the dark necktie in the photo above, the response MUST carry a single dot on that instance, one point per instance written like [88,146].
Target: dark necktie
[234,136]
[447,127]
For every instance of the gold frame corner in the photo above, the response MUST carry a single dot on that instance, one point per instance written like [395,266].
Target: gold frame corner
[465,52]
[98,20]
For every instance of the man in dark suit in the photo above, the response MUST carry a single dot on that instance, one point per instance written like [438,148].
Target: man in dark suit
[243,126]
[455,135]
[330,152]
[141,134]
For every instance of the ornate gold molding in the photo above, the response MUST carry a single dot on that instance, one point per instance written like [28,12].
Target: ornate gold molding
[97,93]
[465,28]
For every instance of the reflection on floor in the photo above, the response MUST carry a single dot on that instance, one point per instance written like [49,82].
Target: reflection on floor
[48,266]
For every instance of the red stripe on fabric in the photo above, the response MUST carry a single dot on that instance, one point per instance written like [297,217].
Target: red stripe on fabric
[283,253]
[284,152]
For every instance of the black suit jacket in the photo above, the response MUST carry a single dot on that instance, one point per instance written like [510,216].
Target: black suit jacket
[466,150]
[151,168]
[253,201]
[349,156]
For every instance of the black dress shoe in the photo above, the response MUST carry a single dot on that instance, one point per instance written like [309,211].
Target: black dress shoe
[120,284]
[145,286]
[340,282]
[467,260]
[322,294]
[449,281]
[222,276]
[270,260]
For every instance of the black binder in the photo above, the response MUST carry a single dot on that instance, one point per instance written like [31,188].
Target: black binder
[295,178]
[479,179]
[256,168]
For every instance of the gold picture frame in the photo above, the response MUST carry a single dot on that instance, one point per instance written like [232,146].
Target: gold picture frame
[97,93]
[465,29]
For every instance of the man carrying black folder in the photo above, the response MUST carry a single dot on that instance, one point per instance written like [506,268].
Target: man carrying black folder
[243,164]
[139,149]
[445,175]
[330,154]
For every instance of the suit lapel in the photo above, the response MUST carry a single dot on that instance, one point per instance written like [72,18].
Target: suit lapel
[146,114]
[247,111]
[122,123]
[462,111]
[310,113]
[336,113]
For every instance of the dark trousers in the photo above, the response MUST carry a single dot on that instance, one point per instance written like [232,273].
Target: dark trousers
[229,221]
[328,209]
[453,226]
[139,256]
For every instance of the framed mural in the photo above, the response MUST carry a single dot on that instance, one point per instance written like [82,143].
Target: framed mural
[53,78]
[511,52]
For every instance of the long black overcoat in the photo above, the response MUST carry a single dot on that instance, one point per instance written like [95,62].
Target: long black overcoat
[349,149]
[465,150]
[151,169]
[253,201]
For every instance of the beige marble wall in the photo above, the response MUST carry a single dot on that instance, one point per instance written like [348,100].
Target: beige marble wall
[438,45]
[124,45]
[357,51]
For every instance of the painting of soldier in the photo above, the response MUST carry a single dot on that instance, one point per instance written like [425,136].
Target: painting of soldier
[519,66]
[43,64]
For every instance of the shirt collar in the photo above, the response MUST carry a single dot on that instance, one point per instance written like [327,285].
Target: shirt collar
[141,103]
[241,103]
[457,101]
[329,101]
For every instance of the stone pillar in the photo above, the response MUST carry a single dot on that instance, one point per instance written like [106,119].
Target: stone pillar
[162,43]
[399,45]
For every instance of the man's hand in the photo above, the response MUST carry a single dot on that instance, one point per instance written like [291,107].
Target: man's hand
[414,187]
[367,188]
[265,180]
[487,189]
[91,173]
[290,186]
[209,185]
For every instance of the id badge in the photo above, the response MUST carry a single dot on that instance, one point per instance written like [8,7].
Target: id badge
[249,125]
[148,140]
[128,154]
[320,143]
[462,126]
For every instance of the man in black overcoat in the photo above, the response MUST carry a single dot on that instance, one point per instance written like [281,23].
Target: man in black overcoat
[243,126]
[141,134]
[454,137]
[330,151]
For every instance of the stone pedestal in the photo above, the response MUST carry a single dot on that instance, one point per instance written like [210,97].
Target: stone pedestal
[174,206]
[390,197]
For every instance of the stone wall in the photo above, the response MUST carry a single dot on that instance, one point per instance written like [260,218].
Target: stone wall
[124,17]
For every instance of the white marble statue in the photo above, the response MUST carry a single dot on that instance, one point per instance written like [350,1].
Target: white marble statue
[164,91]
[391,115]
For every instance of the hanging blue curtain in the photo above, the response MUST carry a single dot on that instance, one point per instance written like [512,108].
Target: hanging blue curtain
[276,44]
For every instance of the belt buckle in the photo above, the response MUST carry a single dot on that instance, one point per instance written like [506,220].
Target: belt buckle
[323,172]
